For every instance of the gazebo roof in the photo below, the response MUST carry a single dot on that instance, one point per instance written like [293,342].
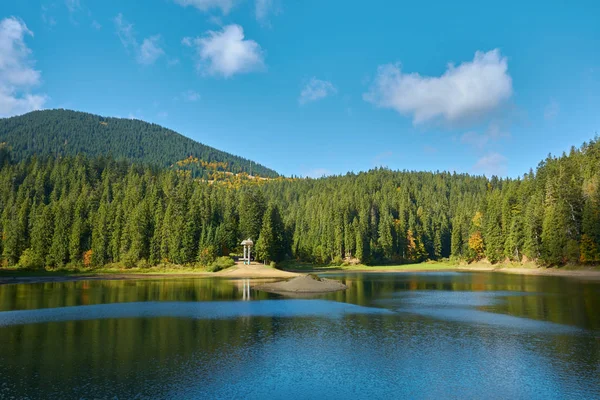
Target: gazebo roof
[247,242]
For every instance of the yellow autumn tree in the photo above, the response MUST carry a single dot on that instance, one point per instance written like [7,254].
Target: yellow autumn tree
[87,258]
[416,249]
[476,245]
[477,218]
[588,251]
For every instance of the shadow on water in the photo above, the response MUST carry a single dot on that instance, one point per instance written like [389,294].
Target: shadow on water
[192,310]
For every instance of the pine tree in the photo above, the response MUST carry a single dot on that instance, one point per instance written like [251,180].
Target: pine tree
[494,243]
[41,234]
[456,239]
[386,240]
[58,255]
[554,235]
[100,236]
[78,239]
[252,210]
[270,245]
[513,247]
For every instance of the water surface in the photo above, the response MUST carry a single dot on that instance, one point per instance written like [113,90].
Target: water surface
[417,335]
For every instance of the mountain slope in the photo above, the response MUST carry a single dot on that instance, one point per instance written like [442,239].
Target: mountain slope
[65,132]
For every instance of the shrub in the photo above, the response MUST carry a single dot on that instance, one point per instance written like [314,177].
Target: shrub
[129,260]
[29,260]
[87,258]
[220,263]
[272,264]
[208,255]
[337,261]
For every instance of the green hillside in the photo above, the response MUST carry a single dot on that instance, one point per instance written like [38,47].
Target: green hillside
[65,132]
[83,211]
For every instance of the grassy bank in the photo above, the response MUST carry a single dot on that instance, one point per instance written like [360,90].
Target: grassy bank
[107,270]
[297,266]
[219,264]
[529,268]
[115,271]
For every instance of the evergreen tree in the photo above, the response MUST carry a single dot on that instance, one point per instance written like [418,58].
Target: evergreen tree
[41,234]
[252,210]
[55,211]
[58,255]
[271,245]
[100,236]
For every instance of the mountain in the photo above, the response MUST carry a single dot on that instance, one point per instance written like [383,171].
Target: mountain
[64,132]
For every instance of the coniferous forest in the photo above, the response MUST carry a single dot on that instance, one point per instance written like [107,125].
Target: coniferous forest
[63,132]
[92,211]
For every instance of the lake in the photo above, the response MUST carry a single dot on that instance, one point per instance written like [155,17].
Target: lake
[390,335]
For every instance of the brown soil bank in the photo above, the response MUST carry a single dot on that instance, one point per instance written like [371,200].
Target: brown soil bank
[254,271]
[303,284]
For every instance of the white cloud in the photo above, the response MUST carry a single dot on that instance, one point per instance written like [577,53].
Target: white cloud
[204,5]
[191,95]
[47,18]
[17,74]
[491,164]
[150,50]
[77,11]
[135,115]
[187,41]
[146,53]
[264,8]
[96,25]
[226,53]
[495,130]
[479,141]
[125,32]
[213,19]
[73,5]
[551,111]
[463,93]
[316,89]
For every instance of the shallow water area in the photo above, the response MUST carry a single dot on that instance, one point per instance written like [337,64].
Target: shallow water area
[394,335]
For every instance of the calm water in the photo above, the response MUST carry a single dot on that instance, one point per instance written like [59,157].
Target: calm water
[421,335]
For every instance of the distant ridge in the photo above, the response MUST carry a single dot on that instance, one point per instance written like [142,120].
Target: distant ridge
[64,132]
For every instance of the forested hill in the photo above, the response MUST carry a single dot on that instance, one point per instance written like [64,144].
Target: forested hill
[65,132]
[82,211]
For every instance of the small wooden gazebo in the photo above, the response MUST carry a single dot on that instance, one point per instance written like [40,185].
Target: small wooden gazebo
[248,243]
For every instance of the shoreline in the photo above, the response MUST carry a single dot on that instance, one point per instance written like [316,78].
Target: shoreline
[256,271]
[582,273]
[259,271]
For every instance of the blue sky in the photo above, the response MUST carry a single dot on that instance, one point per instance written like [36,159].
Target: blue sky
[313,87]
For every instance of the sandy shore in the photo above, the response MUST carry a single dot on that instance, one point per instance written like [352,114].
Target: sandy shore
[590,274]
[253,271]
[261,271]
[237,271]
[304,284]
[583,273]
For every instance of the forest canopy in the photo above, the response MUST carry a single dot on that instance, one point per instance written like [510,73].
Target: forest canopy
[93,211]
[63,132]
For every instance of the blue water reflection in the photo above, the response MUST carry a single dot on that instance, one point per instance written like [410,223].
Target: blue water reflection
[430,335]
